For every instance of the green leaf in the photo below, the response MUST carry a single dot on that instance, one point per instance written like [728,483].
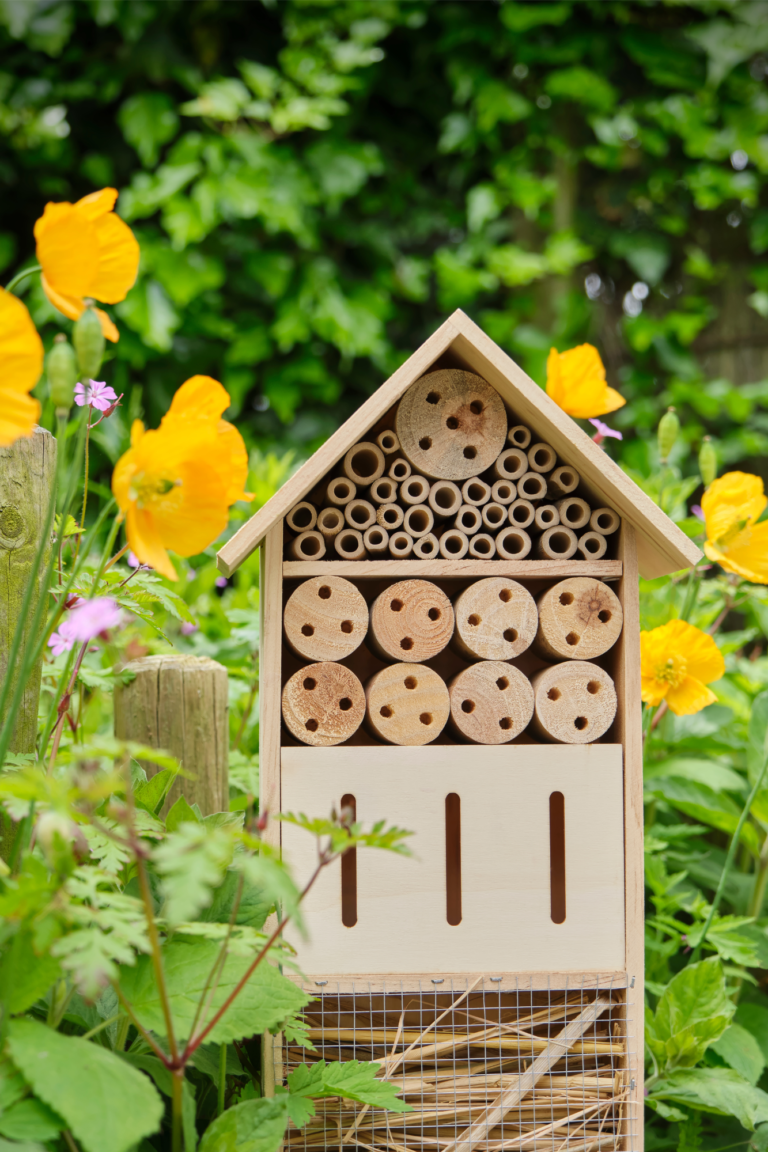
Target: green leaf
[736,938]
[754,1017]
[252,910]
[264,1003]
[191,862]
[351,1080]
[148,120]
[254,1126]
[719,1090]
[107,1105]
[152,794]
[30,1119]
[741,1051]
[181,813]
[25,974]
[693,1011]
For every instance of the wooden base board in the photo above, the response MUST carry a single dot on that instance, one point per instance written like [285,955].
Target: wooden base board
[332,984]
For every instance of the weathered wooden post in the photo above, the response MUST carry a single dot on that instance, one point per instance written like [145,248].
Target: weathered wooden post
[179,703]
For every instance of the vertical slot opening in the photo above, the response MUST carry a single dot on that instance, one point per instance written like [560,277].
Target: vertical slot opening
[453,858]
[349,873]
[557,857]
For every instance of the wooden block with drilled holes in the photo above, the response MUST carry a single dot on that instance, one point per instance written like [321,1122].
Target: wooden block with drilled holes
[579,619]
[326,618]
[407,704]
[496,619]
[323,704]
[451,424]
[411,620]
[491,702]
[574,702]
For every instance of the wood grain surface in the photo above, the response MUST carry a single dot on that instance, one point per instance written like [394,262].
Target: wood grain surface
[407,704]
[574,702]
[325,618]
[496,619]
[412,621]
[491,702]
[579,619]
[323,704]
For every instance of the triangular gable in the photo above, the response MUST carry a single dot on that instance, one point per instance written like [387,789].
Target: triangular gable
[661,546]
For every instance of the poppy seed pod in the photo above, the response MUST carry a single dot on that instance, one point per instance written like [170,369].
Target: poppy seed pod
[707,461]
[669,427]
[61,370]
[89,344]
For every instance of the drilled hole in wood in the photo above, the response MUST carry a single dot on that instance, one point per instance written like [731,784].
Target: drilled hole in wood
[310,684]
[510,635]
[406,643]
[324,592]
[426,718]
[425,443]
[505,595]
[347,626]
[434,613]
[572,638]
[386,712]
[467,706]
[581,723]
[566,597]
[433,398]
[452,423]
[474,620]
[307,630]
[345,703]
[476,407]
[604,616]
[311,725]
[396,605]
[505,723]
[553,694]
[411,682]
[502,683]
[470,452]
[593,687]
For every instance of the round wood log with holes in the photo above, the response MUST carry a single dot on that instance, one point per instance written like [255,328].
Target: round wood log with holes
[558,543]
[521,513]
[364,463]
[307,546]
[562,482]
[399,470]
[323,704]
[592,545]
[482,546]
[451,424]
[325,618]
[476,492]
[546,516]
[491,702]
[454,544]
[390,517]
[504,492]
[383,490]
[494,516]
[519,436]
[605,521]
[532,486]
[400,545]
[340,491]
[411,620]
[468,520]
[414,490]
[574,702]
[496,619]
[349,544]
[302,518]
[330,522]
[426,547]
[510,465]
[445,498]
[579,619]
[360,514]
[541,458]
[376,541]
[513,543]
[418,520]
[574,512]
[407,704]
[388,442]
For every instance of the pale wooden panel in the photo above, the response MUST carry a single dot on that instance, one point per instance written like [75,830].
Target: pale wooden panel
[504,794]
[330,983]
[375,569]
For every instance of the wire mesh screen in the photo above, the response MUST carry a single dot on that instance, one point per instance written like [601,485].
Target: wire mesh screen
[481,1067]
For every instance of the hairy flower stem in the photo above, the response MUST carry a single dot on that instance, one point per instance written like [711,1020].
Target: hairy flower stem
[157,958]
[85,478]
[64,707]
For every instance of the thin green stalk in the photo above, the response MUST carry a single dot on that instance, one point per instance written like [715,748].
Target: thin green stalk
[761,880]
[222,1078]
[177,1104]
[146,1036]
[692,586]
[17,279]
[85,476]
[729,861]
[122,1034]
[104,1024]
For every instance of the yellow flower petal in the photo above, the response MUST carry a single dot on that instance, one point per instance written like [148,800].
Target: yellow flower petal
[576,382]
[200,397]
[689,696]
[676,661]
[652,691]
[146,543]
[118,260]
[67,249]
[18,415]
[732,499]
[234,451]
[745,555]
[73,307]
[21,353]
[97,204]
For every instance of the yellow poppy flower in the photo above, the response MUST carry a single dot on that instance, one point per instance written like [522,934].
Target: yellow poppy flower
[175,484]
[677,661]
[731,505]
[576,382]
[86,251]
[21,353]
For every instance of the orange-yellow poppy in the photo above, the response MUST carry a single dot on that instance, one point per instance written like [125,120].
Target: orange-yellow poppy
[21,353]
[677,661]
[731,505]
[86,251]
[175,484]
[576,382]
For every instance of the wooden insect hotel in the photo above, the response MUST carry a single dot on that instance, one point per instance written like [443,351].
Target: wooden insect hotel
[450,642]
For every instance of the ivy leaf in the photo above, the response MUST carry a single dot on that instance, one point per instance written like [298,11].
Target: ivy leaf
[191,862]
[254,1126]
[107,1105]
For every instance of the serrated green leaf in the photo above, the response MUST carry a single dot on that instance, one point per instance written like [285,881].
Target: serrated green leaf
[25,973]
[254,1126]
[353,1080]
[107,1105]
[718,1090]
[693,1011]
[191,862]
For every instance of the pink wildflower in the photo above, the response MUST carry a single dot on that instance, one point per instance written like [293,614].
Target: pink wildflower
[94,617]
[604,430]
[97,393]
[187,629]
[698,512]
[61,641]
[133,560]
[221,581]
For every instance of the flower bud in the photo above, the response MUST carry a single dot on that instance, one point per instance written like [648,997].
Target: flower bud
[61,370]
[707,461]
[89,344]
[669,427]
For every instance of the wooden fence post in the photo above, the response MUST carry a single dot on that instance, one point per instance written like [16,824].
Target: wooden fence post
[179,703]
[27,478]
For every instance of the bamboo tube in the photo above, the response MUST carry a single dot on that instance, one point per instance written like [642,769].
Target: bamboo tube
[541,458]
[521,514]
[414,490]
[562,482]
[390,517]
[532,486]
[325,618]
[452,424]
[388,442]
[302,518]
[546,516]
[574,512]
[488,1038]
[511,464]
[579,619]
[475,491]
[360,514]
[407,704]
[307,546]
[496,619]
[491,702]
[513,543]
[400,545]
[411,620]
[418,520]
[323,704]
[454,544]
[574,702]
[504,492]
[468,520]
[364,463]
[383,490]
[330,522]
[376,541]
[592,545]
[340,491]
[426,547]
[349,544]
[558,543]
[482,546]
[519,436]
[605,521]
[399,470]
[444,498]
[494,516]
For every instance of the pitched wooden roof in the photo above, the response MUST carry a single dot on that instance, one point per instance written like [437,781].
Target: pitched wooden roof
[661,546]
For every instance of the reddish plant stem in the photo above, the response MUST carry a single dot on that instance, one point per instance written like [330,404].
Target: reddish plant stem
[64,706]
